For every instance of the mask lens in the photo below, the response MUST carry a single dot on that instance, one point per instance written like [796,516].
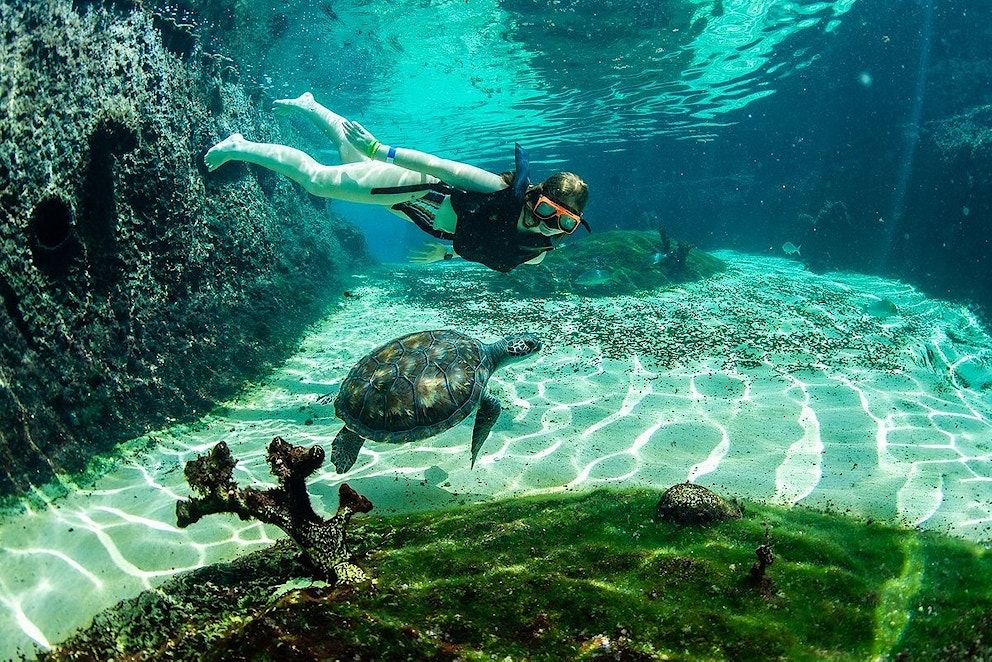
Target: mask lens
[544,210]
[567,223]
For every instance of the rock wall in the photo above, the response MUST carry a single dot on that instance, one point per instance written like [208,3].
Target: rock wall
[136,288]
[950,196]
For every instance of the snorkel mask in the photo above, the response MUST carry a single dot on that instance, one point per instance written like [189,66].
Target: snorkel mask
[556,217]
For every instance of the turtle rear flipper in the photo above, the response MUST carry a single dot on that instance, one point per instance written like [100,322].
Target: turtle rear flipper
[485,419]
[344,450]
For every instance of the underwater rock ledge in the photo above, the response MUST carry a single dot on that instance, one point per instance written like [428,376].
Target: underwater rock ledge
[137,289]
[611,263]
[587,576]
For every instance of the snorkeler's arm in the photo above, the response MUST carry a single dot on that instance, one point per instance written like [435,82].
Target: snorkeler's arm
[453,173]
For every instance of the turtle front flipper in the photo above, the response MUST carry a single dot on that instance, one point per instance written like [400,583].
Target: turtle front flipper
[344,449]
[485,419]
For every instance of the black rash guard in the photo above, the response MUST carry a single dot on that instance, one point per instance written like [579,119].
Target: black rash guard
[487,232]
[486,229]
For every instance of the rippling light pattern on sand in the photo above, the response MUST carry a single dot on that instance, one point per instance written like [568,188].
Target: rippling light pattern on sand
[767,382]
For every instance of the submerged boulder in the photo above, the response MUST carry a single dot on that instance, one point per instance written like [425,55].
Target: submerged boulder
[691,504]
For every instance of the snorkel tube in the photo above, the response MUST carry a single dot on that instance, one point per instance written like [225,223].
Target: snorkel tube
[521,171]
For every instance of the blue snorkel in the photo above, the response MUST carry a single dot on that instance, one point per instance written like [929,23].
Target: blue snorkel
[521,171]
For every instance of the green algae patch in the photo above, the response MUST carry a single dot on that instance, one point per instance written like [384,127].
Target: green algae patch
[610,264]
[589,576]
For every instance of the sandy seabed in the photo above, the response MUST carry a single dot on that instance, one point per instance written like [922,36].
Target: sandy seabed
[840,391]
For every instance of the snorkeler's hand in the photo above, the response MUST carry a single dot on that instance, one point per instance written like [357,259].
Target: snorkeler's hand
[429,252]
[359,136]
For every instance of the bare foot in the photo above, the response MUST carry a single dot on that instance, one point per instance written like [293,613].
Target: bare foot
[223,151]
[303,102]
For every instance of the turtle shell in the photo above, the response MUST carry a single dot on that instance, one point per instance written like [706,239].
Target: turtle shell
[414,387]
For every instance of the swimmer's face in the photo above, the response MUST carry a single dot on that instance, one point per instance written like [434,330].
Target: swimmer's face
[532,223]
[549,217]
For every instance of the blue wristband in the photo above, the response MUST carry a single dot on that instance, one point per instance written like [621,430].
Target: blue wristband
[390,155]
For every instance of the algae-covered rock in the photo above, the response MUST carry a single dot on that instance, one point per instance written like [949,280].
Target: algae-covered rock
[575,577]
[688,503]
[610,264]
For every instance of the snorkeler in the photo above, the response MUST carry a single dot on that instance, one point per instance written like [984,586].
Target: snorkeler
[500,221]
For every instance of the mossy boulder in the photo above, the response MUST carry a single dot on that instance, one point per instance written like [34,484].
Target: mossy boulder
[609,264]
[691,504]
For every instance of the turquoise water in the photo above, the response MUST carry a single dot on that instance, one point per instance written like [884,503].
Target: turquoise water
[853,375]
[547,74]
[883,416]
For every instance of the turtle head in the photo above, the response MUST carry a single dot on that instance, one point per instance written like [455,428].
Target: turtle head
[521,345]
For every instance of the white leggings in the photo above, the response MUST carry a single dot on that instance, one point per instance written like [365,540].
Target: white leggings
[352,181]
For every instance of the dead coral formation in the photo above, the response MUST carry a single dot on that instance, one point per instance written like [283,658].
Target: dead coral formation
[672,254]
[136,289]
[758,574]
[678,255]
[286,506]
[688,504]
[664,241]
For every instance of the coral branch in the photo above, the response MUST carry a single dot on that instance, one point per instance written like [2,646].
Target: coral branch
[286,506]
[758,575]
[678,254]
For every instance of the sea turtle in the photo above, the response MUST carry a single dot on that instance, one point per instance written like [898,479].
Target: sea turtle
[419,385]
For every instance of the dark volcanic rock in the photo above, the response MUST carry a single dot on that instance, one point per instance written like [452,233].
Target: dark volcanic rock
[136,288]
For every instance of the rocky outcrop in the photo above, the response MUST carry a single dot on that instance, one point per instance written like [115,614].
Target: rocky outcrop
[966,135]
[136,288]
[690,504]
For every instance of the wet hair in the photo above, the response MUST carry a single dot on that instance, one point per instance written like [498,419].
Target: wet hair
[565,188]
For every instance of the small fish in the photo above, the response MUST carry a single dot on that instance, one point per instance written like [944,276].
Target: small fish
[659,258]
[881,308]
[594,277]
[790,248]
